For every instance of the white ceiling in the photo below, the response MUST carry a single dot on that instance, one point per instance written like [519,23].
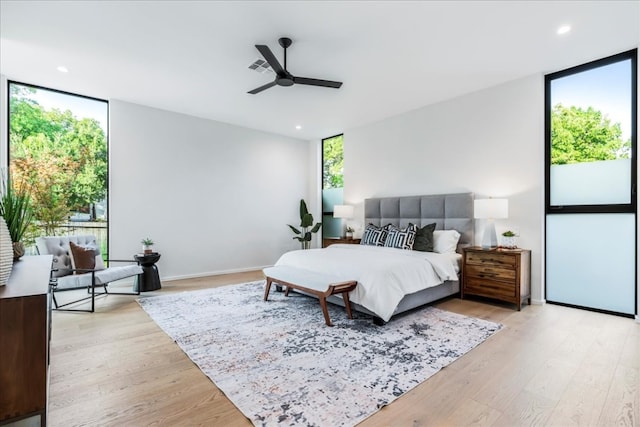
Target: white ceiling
[393,56]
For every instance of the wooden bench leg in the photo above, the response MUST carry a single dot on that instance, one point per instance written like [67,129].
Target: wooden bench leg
[267,288]
[325,311]
[347,304]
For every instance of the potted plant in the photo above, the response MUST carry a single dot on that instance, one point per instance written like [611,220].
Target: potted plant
[147,243]
[349,232]
[509,240]
[15,208]
[306,220]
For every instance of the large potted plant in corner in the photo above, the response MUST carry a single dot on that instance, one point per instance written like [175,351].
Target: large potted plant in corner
[306,220]
[15,208]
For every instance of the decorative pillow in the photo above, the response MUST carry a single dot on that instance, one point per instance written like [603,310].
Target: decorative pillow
[374,235]
[445,241]
[401,238]
[82,257]
[424,238]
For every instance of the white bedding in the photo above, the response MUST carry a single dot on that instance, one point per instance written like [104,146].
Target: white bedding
[384,275]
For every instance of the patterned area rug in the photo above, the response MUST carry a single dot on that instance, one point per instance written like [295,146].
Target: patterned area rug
[281,365]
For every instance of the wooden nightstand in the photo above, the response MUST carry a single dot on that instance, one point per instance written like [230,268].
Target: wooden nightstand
[327,241]
[502,274]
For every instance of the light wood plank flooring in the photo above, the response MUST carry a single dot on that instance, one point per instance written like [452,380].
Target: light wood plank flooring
[550,365]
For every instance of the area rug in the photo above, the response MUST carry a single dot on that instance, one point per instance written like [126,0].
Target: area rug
[281,365]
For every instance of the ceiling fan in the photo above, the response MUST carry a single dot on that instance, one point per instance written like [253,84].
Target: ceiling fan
[283,77]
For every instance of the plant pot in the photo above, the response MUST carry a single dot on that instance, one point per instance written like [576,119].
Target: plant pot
[18,250]
[510,242]
[6,253]
[349,235]
[147,249]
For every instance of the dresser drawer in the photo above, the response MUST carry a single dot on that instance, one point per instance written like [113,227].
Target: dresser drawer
[491,258]
[490,288]
[490,272]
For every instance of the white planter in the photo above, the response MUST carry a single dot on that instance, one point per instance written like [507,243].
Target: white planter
[6,253]
[509,242]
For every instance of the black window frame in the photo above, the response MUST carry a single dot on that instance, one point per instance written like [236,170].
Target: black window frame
[630,207]
[108,136]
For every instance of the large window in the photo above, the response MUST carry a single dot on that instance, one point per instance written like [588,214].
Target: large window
[590,185]
[58,150]
[332,184]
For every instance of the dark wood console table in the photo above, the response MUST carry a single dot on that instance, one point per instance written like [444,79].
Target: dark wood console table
[24,340]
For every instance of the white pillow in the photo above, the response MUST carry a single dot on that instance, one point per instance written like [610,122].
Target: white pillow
[445,241]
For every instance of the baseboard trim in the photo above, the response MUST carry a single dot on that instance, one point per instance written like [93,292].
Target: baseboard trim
[637,318]
[538,302]
[212,273]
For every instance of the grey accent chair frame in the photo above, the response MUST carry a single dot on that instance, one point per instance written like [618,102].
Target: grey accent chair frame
[65,278]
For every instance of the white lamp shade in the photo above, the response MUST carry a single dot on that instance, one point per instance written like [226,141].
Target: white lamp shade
[491,208]
[343,211]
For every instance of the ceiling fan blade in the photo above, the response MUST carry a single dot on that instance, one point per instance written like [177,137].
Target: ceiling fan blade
[316,82]
[261,88]
[270,57]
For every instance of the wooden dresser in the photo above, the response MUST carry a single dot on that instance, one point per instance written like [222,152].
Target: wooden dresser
[25,320]
[502,274]
[328,241]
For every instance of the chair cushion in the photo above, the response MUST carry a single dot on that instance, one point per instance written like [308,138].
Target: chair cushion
[103,277]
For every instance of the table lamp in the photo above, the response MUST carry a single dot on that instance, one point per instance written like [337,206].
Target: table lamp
[343,212]
[490,209]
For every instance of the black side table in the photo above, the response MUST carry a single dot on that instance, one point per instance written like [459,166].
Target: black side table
[150,280]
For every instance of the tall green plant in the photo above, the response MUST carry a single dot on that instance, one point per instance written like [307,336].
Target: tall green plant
[305,234]
[15,208]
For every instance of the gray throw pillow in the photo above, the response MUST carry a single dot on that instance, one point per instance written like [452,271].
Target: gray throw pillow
[424,238]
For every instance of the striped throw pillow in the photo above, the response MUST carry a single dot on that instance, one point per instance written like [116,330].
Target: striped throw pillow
[374,235]
[401,238]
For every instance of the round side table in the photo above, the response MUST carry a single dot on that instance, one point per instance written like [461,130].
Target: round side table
[149,280]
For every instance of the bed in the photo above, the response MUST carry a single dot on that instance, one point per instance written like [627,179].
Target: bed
[392,281]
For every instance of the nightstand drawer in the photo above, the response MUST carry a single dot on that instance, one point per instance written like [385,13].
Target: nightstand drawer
[490,288]
[490,272]
[491,258]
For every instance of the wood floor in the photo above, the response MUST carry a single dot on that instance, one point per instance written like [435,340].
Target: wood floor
[549,366]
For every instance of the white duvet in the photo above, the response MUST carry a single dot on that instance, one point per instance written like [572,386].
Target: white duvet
[384,275]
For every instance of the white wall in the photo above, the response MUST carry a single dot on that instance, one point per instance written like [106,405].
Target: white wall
[214,197]
[489,142]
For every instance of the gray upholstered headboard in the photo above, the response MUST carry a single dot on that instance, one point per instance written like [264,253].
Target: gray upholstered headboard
[448,211]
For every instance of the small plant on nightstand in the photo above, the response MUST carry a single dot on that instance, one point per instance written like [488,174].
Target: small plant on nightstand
[349,232]
[146,245]
[509,240]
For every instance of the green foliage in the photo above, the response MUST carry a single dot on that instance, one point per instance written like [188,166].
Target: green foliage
[15,208]
[509,233]
[147,242]
[63,159]
[305,234]
[333,162]
[580,135]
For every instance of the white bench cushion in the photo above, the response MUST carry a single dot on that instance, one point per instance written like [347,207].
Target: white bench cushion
[299,276]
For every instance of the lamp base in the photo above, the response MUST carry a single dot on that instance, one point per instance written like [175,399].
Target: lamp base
[489,238]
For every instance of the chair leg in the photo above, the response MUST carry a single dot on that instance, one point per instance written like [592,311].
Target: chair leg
[93,291]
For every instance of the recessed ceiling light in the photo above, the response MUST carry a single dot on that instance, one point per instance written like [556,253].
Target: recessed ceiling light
[298,127]
[62,69]
[564,29]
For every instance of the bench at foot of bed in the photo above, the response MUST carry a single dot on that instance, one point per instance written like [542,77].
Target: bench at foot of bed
[317,284]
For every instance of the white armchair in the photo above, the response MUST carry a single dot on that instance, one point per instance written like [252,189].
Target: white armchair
[64,275]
